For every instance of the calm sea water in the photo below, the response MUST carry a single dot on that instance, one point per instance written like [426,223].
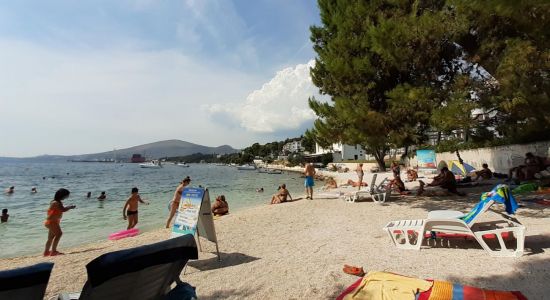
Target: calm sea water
[94,220]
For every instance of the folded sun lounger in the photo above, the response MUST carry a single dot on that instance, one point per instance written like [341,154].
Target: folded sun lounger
[409,234]
[25,283]
[145,272]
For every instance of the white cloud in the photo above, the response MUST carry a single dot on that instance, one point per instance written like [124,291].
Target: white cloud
[61,101]
[279,105]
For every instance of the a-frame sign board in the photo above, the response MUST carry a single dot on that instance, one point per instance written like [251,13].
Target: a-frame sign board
[194,216]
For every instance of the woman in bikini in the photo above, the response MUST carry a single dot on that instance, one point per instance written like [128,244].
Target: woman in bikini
[55,212]
[176,200]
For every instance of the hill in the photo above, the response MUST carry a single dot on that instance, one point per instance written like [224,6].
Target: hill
[169,148]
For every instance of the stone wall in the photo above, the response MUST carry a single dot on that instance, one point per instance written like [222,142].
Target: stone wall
[500,159]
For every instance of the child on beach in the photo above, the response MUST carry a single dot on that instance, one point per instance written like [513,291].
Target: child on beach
[55,212]
[5,216]
[130,209]
[102,196]
[175,203]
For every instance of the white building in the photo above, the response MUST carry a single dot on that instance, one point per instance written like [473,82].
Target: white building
[341,152]
[293,147]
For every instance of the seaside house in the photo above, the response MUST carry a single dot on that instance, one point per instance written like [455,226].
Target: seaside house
[341,152]
[293,146]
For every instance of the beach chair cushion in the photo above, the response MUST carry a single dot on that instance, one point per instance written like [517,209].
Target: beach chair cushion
[145,272]
[25,283]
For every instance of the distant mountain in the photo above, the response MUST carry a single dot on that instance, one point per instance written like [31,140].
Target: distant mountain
[154,150]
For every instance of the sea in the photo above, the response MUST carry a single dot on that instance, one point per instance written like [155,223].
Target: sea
[94,220]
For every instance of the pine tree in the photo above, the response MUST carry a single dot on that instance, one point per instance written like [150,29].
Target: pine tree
[383,63]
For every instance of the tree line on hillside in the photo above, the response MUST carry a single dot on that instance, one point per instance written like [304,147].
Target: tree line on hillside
[268,152]
[477,71]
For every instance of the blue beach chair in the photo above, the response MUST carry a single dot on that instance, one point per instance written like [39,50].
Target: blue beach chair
[145,272]
[25,283]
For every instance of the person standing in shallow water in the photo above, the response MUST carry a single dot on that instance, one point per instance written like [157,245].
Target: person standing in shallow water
[130,210]
[53,220]
[309,183]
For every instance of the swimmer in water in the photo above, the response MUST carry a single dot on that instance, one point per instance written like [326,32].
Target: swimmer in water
[10,190]
[102,196]
[34,190]
[89,195]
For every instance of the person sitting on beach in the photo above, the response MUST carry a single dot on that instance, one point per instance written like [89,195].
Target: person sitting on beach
[485,173]
[396,170]
[445,180]
[34,190]
[130,209]
[5,216]
[175,203]
[309,183]
[53,220]
[281,195]
[532,165]
[102,197]
[220,207]
[397,184]
[10,190]
[412,175]
[330,183]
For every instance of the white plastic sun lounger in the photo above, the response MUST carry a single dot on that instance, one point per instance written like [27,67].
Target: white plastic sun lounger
[409,234]
[377,193]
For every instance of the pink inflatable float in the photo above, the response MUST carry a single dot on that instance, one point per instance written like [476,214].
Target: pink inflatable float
[123,234]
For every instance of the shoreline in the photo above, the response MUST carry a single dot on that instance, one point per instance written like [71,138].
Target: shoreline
[297,250]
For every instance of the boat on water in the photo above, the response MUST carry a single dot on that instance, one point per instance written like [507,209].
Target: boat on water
[246,167]
[270,171]
[154,164]
[185,165]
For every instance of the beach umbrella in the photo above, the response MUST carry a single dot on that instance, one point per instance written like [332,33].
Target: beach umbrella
[460,169]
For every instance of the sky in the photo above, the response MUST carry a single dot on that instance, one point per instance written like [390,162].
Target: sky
[90,76]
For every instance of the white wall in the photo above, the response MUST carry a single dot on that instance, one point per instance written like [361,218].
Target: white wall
[500,159]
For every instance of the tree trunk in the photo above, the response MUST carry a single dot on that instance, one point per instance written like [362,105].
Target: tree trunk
[379,155]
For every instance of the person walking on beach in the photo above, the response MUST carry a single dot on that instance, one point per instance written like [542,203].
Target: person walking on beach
[175,203]
[53,220]
[309,183]
[130,210]
[360,174]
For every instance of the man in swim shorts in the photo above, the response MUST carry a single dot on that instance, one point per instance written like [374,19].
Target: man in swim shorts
[309,183]
[130,210]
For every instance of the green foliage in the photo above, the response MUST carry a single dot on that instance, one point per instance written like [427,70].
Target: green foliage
[373,58]
[395,69]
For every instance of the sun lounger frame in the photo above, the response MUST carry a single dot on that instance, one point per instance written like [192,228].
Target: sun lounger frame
[378,193]
[409,234]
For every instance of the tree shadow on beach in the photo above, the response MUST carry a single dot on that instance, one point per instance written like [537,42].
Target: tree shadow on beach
[529,277]
[227,260]
[227,294]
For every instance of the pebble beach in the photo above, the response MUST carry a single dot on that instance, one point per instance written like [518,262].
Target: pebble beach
[296,250]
